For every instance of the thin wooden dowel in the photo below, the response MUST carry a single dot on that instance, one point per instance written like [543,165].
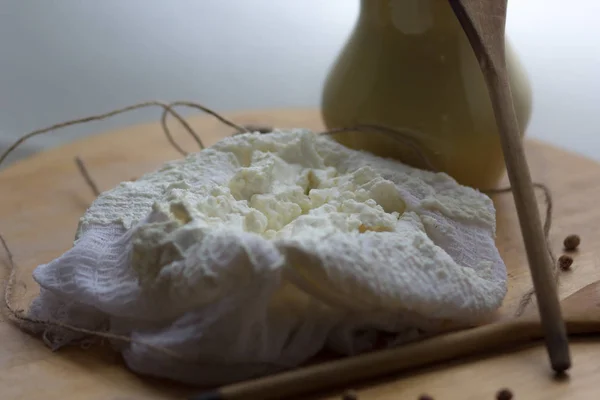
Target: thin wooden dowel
[538,256]
[483,22]
[581,311]
[376,364]
[354,370]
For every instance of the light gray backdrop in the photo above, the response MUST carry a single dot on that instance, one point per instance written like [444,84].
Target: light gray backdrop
[69,58]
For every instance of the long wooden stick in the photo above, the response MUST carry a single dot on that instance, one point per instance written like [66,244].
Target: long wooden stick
[484,22]
[581,311]
[338,373]
[379,363]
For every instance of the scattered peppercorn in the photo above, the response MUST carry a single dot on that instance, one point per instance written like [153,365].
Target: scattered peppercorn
[565,262]
[425,397]
[504,394]
[350,395]
[571,242]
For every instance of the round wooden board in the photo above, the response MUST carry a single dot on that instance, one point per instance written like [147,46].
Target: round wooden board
[42,198]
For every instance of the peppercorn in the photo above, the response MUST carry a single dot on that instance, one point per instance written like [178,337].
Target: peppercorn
[571,242]
[565,262]
[504,394]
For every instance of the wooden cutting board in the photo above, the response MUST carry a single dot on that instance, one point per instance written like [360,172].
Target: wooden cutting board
[42,198]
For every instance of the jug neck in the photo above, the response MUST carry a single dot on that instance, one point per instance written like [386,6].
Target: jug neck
[411,17]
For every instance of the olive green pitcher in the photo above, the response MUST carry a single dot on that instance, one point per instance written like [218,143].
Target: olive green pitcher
[408,65]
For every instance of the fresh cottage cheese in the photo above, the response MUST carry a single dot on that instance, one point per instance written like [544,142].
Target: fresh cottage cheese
[266,236]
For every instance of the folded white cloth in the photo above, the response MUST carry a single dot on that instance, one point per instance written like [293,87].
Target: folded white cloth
[253,255]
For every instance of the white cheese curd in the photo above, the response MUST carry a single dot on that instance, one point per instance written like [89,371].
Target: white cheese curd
[253,255]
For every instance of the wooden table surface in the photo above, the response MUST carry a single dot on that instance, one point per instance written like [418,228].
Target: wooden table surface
[42,198]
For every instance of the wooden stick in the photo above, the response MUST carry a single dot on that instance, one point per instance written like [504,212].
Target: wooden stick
[376,364]
[581,311]
[338,373]
[483,22]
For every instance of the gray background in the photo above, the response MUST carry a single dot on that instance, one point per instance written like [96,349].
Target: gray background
[65,59]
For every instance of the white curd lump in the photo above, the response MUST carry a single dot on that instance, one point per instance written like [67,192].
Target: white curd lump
[253,255]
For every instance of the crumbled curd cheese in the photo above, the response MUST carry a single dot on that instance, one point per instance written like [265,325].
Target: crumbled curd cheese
[311,195]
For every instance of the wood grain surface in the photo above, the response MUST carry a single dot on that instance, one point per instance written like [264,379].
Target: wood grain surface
[42,198]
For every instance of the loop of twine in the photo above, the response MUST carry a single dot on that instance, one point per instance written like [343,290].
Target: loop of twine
[403,136]
[16,315]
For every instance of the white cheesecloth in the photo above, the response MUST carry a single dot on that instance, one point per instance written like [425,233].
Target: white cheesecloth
[236,304]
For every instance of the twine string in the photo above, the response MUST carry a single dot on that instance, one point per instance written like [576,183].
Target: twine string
[403,136]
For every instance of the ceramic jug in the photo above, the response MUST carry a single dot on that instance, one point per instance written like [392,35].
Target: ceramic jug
[408,65]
